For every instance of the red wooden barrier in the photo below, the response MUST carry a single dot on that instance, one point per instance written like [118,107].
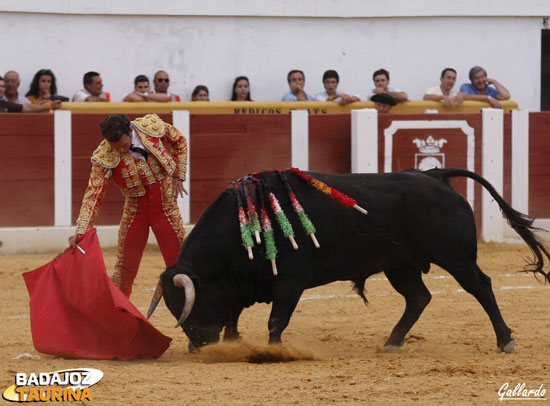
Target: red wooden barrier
[539,165]
[225,147]
[330,143]
[26,170]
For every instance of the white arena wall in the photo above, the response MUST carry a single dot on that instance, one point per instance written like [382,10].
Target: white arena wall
[212,42]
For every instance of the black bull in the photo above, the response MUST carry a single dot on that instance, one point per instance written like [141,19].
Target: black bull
[414,219]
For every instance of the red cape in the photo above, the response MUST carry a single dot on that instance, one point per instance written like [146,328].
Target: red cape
[78,312]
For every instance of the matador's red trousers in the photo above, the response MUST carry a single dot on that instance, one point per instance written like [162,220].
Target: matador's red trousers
[159,211]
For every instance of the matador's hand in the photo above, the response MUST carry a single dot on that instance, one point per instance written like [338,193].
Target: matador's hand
[74,239]
[179,190]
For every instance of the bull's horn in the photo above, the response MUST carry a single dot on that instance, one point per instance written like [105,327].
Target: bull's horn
[155,300]
[183,281]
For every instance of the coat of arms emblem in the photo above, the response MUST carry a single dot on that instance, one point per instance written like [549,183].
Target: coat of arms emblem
[429,155]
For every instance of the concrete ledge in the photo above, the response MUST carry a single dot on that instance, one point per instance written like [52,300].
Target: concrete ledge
[26,240]
[274,107]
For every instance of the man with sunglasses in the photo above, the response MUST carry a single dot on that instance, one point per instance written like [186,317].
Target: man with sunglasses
[161,82]
[143,93]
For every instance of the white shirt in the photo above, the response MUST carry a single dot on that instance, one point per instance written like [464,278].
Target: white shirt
[323,96]
[436,90]
[389,89]
[20,99]
[136,142]
[83,94]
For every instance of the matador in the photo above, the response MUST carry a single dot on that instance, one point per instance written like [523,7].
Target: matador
[150,177]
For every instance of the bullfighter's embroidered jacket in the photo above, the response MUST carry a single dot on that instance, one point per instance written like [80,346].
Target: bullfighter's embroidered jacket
[132,175]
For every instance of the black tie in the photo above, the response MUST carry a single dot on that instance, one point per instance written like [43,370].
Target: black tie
[139,151]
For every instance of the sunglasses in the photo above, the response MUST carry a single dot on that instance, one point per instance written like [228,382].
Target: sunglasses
[163,80]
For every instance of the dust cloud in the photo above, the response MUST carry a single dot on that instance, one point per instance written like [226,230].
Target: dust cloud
[246,351]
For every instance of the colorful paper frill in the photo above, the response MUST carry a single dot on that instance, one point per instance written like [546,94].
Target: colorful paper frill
[253,221]
[270,247]
[332,192]
[285,225]
[306,222]
[246,235]
[304,219]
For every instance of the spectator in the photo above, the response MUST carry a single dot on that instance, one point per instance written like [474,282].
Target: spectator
[43,88]
[383,102]
[143,93]
[200,93]
[161,82]
[444,92]
[93,89]
[381,79]
[480,90]
[241,89]
[296,81]
[11,80]
[332,93]
[9,107]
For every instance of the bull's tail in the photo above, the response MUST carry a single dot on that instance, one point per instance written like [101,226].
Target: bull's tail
[520,222]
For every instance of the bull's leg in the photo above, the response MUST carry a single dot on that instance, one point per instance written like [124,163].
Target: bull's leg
[231,333]
[475,282]
[408,282]
[286,294]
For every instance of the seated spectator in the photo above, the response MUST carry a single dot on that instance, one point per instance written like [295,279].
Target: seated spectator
[296,81]
[200,93]
[383,102]
[381,79]
[161,82]
[43,88]
[93,89]
[12,82]
[332,93]
[10,107]
[480,90]
[241,89]
[444,92]
[143,93]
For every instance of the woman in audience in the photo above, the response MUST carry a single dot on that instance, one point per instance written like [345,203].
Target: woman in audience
[200,93]
[241,89]
[43,88]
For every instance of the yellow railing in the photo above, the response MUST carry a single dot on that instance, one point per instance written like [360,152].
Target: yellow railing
[410,107]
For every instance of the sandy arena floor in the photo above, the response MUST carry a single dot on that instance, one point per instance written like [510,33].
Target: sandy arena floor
[333,345]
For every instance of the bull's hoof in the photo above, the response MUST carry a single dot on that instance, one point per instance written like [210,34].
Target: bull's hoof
[509,347]
[192,349]
[275,341]
[389,348]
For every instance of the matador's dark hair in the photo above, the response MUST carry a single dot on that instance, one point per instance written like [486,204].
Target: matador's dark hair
[114,127]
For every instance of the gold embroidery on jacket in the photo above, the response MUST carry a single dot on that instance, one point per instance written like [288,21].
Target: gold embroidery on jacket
[171,209]
[106,156]
[145,172]
[93,197]
[128,215]
[156,167]
[174,163]
[151,125]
